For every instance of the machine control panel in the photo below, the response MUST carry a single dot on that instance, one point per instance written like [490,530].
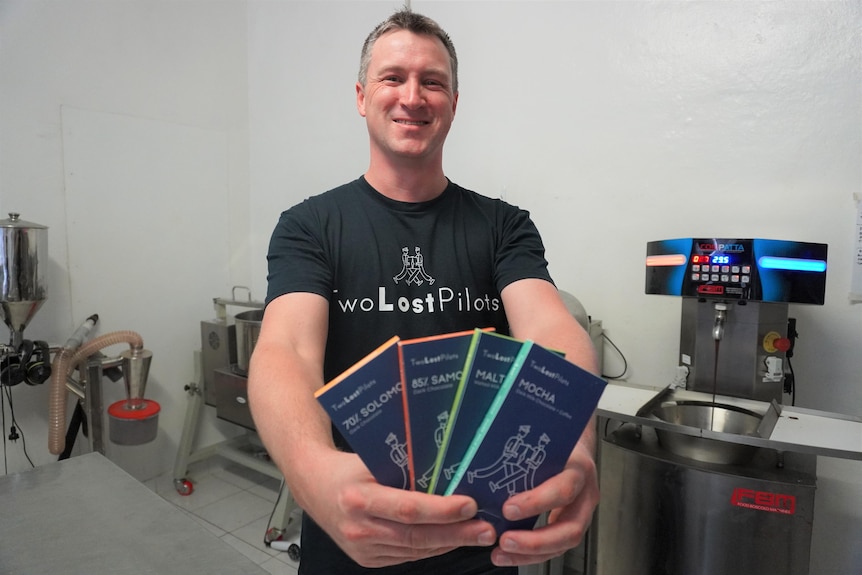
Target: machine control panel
[717,274]
[738,269]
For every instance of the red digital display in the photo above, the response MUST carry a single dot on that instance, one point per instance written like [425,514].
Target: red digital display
[700,259]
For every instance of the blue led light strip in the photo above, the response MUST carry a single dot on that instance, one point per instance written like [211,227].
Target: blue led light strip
[791,264]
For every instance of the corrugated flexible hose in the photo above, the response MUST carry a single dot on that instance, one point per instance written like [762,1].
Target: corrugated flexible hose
[64,363]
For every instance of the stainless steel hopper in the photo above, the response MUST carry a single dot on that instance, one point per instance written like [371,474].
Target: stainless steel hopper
[23,262]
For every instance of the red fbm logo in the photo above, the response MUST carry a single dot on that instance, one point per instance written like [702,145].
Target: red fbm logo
[764,501]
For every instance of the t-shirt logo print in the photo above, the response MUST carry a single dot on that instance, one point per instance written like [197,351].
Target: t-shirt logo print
[413,268]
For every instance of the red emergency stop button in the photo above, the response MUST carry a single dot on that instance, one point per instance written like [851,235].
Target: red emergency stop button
[773,342]
[782,344]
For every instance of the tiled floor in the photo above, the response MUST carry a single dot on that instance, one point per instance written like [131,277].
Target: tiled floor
[235,503]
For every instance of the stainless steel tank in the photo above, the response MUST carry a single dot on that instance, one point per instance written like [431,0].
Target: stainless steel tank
[23,271]
[662,514]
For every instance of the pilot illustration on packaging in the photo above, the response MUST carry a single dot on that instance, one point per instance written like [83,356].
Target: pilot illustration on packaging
[516,465]
[398,455]
[442,419]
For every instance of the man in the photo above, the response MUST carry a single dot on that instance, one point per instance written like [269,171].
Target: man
[403,251]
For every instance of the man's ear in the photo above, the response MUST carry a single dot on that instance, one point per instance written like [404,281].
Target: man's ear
[360,99]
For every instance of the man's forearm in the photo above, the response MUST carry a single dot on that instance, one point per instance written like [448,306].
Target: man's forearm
[288,419]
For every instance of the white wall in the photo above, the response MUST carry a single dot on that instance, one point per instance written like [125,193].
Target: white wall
[614,123]
[123,128]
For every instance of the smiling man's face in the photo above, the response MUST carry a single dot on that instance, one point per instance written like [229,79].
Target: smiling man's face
[407,101]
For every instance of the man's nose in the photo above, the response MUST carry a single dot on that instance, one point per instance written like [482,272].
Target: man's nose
[412,95]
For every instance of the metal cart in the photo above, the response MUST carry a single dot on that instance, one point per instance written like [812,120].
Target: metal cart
[220,384]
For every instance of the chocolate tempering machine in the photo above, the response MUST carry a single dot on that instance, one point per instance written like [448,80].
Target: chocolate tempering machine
[712,474]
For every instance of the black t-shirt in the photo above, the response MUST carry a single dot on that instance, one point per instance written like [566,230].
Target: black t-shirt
[395,268]
[407,269]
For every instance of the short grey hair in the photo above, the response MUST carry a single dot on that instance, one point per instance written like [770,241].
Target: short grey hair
[412,22]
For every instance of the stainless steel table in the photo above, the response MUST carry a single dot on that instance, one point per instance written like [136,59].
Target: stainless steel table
[797,429]
[85,515]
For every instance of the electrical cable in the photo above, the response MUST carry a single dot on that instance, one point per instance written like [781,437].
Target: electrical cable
[292,549]
[790,381]
[272,513]
[622,356]
[19,431]
[793,383]
[15,430]
[3,423]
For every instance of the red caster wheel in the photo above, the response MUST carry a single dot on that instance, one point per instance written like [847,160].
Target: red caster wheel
[273,534]
[184,486]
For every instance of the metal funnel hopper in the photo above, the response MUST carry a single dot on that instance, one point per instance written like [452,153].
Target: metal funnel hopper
[17,314]
[23,257]
[135,420]
[136,369]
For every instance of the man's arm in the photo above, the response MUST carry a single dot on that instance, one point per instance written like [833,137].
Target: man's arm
[374,524]
[535,311]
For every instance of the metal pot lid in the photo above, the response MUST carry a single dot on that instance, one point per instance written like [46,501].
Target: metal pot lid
[14,221]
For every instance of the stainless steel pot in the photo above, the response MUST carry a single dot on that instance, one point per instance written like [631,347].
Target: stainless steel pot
[247,331]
